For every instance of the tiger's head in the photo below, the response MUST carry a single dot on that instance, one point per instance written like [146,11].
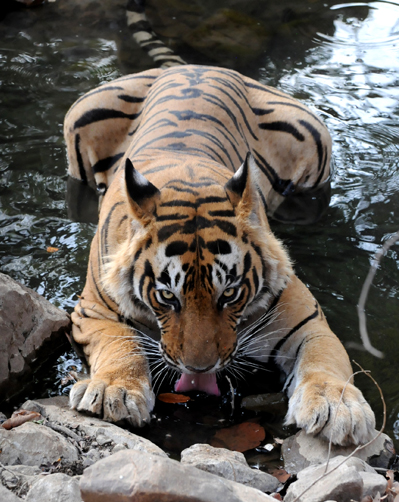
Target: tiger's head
[200,258]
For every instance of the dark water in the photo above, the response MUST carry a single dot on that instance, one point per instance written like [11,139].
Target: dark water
[341,59]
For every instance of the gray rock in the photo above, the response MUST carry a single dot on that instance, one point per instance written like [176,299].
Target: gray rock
[55,488]
[34,444]
[344,483]
[91,457]
[7,496]
[229,465]
[19,477]
[31,330]
[56,409]
[118,447]
[373,484]
[142,477]
[303,450]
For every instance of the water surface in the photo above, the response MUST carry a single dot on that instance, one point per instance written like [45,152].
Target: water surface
[341,59]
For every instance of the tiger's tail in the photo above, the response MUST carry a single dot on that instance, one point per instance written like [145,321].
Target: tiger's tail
[144,36]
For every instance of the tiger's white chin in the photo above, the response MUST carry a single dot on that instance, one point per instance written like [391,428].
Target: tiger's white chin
[206,382]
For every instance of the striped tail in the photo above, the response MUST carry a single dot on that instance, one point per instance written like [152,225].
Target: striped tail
[144,36]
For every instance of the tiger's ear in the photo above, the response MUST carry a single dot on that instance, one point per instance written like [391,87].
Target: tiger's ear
[142,194]
[241,188]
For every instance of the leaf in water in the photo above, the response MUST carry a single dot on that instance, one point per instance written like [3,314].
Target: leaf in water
[52,250]
[20,417]
[281,474]
[168,397]
[242,437]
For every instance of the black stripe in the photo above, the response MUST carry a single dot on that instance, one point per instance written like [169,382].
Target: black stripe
[82,170]
[278,346]
[219,246]
[171,217]
[317,139]
[131,99]
[176,248]
[260,111]
[281,126]
[227,213]
[99,114]
[89,94]
[179,203]
[105,164]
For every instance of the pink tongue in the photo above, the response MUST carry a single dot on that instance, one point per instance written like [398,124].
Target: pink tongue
[205,382]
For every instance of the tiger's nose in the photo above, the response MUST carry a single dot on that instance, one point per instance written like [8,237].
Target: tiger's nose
[200,370]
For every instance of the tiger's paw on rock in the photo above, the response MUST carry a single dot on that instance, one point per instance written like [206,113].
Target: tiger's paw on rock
[114,402]
[317,407]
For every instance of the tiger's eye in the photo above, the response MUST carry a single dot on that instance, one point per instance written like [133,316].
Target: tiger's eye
[167,294]
[229,292]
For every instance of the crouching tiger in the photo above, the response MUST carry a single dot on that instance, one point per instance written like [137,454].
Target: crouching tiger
[189,162]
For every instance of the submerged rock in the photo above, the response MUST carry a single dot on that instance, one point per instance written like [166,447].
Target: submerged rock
[32,330]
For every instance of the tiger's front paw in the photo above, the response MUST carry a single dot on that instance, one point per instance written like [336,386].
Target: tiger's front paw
[114,401]
[314,404]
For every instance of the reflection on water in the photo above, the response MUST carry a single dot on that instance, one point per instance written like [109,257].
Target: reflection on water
[341,59]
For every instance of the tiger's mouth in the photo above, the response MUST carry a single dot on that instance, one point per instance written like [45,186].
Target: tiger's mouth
[206,382]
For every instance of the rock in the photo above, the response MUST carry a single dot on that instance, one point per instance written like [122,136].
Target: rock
[138,476]
[34,445]
[373,484]
[229,465]
[345,483]
[32,329]
[56,409]
[91,457]
[19,478]
[55,487]
[7,496]
[302,450]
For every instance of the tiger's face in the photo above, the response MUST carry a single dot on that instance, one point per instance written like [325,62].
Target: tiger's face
[200,258]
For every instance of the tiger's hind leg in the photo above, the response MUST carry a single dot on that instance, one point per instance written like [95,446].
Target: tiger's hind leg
[99,127]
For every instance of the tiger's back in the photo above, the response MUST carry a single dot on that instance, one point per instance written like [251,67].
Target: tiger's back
[204,113]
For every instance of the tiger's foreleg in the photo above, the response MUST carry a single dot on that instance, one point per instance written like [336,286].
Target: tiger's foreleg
[119,387]
[322,398]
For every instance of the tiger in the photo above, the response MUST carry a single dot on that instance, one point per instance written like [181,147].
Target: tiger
[190,163]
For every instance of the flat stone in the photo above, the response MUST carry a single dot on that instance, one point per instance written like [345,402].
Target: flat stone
[34,444]
[343,484]
[229,465]
[31,331]
[56,409]
[303,450]
[7,496]
[55,488]
[136,476]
